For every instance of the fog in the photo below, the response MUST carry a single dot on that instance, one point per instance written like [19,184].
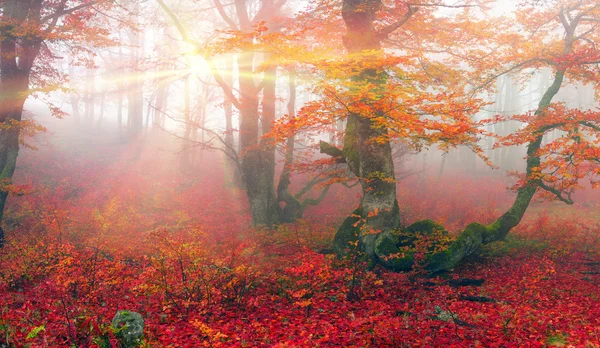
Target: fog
[299,173]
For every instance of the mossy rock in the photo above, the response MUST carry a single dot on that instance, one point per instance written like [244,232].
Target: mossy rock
[128,328]
[422,227]
[389,254]
[470,240]
[395,248]
[346,237]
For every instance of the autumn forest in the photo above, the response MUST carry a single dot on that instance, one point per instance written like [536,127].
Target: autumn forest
[299,173]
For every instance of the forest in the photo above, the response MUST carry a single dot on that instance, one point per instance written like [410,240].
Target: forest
[299,173]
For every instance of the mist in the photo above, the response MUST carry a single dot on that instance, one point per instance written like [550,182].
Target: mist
[299,173]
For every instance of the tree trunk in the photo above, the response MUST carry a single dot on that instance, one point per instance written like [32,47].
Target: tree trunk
[292,206]
[371,161]
[73,96]
[475,235]
[383,241]
[258,165]
[15,66]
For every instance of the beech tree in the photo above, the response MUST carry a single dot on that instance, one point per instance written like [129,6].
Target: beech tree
[368,84]
[554,168]
[409,95]
[28,29]
[257,160]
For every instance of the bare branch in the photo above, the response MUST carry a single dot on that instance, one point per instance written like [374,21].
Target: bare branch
[184,35]
[226,18]
[557,193]
[386,31]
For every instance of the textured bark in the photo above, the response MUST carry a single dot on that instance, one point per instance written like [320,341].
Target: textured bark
[257,165]
[15,65]
[370,161]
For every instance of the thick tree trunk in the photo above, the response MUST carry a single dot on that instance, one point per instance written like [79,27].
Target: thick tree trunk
[15,66]
[383,240]
[371,161]
[257,165]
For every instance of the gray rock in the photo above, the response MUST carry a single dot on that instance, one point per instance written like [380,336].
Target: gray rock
[129,328]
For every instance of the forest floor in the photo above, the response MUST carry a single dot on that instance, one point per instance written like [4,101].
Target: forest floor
[92,231]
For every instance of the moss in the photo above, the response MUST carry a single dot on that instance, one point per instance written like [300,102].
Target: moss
[390,255]
[350,149]
[421,229]
[558,340]
[346,237]
[395,249]
[469,241]
[441,260]
[426,226]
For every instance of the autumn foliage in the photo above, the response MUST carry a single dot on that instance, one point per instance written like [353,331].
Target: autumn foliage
[131,239]
[130,221]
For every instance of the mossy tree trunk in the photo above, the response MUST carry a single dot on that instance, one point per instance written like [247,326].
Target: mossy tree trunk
[475,234]
[388,244]
[371,161]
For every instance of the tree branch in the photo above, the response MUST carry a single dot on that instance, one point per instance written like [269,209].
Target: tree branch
[214,71]
[557,193]
[386,31]
[226,18]
[326,148]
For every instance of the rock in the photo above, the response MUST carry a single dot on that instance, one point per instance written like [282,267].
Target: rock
[346,238]
[395,248]
[388,253]
[128,328]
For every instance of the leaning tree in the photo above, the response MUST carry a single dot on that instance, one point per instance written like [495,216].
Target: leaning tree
[388,95]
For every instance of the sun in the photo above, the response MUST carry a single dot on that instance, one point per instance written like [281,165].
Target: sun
[197,65]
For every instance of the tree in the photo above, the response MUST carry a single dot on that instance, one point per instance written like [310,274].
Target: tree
[386,96]
[257,164]
[28,30]
[554,168]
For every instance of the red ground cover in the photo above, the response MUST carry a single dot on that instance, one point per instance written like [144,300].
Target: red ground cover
[134,231]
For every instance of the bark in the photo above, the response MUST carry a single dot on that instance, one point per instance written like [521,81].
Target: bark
[370,161]
[257,165]
[475,235]
[15,65]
